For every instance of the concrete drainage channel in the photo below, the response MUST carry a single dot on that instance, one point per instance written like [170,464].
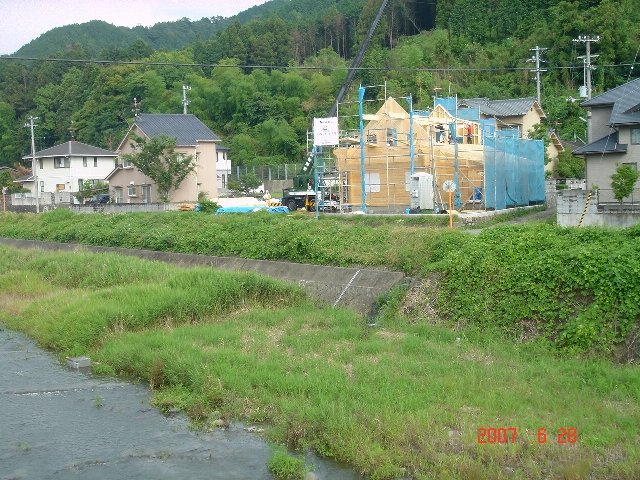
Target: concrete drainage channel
[355,288]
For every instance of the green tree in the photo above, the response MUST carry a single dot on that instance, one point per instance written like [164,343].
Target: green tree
[7,181]
[539,132]
[90,189]
[569,165]
[245,184]
[158,160]
[8,147]
[623,180]
[138,50]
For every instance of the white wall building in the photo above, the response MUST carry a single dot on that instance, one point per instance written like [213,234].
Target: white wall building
[223,166]
[65,167]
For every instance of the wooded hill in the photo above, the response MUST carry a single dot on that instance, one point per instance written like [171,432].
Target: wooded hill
[259,78]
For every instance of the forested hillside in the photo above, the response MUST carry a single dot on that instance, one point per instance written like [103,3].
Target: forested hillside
[259,80]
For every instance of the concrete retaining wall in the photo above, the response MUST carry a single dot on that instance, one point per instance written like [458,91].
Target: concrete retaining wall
[571,207]
[355,288]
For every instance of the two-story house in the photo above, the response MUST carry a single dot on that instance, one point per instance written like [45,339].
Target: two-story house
[65,167]
[129,185]
[614,131]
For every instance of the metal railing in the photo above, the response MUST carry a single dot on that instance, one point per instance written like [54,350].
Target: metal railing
[605,197]
[284,171]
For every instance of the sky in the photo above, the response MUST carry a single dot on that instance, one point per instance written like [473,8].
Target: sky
[24,20]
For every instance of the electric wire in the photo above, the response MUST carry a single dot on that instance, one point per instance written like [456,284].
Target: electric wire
[304,67]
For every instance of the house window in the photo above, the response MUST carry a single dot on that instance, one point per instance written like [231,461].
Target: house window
[41,163]
[118,194]
[146,193]
[59,187]
[61,162]
[633,165]
[84,161]
[95,161]
[42,186]
[80,184]
[132,191]
[372,182]
[635,136]
[126,164]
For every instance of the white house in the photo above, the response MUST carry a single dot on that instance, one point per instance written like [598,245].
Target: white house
[65,167]
[223,166]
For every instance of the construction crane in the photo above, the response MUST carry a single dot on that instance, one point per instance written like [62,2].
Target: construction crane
[357,61]
[301,195]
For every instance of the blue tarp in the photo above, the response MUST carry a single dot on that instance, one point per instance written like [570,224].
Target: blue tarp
[514,172]
[254,208]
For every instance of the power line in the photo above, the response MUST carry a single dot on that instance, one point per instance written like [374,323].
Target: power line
[304,67]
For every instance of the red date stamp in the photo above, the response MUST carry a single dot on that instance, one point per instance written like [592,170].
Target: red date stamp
[496,435]
[565,435]
[508,435]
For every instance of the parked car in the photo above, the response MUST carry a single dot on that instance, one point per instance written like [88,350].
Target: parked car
[100,198]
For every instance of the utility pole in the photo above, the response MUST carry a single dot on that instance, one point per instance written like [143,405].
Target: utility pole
[185,102]
[136,107]
[33,161]
[586,39]
[537,59]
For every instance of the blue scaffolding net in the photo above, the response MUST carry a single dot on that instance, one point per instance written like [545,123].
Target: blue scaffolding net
[514,171]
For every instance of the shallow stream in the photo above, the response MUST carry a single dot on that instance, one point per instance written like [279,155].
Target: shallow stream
[61,423]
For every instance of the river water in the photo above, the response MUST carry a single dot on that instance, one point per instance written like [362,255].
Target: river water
[61,423]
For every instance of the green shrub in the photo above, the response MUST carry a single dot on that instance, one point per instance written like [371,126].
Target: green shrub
[285,466]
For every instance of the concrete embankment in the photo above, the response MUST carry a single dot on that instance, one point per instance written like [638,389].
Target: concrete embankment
[355,288]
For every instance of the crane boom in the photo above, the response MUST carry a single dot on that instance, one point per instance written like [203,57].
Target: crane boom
[301,195]
[357,61]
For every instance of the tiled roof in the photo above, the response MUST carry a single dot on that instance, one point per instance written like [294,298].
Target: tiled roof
[26,178]
[500,108]
[187,129]
[73,148]
[608,144]
[625,100]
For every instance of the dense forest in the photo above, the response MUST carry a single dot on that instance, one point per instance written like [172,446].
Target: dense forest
[258,79]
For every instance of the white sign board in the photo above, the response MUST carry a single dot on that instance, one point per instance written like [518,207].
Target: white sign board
[325,131]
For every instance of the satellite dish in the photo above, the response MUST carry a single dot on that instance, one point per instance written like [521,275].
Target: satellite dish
[449,186]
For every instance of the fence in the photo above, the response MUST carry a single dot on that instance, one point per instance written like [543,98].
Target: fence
[284,171]
[605,197]
[44,198]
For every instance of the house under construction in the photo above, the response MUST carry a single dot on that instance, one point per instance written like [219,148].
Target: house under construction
[378,165]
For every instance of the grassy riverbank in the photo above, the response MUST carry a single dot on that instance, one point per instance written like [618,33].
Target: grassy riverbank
[405,397]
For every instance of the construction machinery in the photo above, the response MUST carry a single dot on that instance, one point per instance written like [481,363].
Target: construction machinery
[306,194]
[322,189]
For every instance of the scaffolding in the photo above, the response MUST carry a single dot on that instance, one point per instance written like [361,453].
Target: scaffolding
[373,164]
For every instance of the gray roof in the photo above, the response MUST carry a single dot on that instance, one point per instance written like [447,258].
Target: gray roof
[73,148]
[608,144]
[187,129]
[625,100]
[500,108]
[26,178]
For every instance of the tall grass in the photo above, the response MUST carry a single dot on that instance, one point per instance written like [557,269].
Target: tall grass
[406,397]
